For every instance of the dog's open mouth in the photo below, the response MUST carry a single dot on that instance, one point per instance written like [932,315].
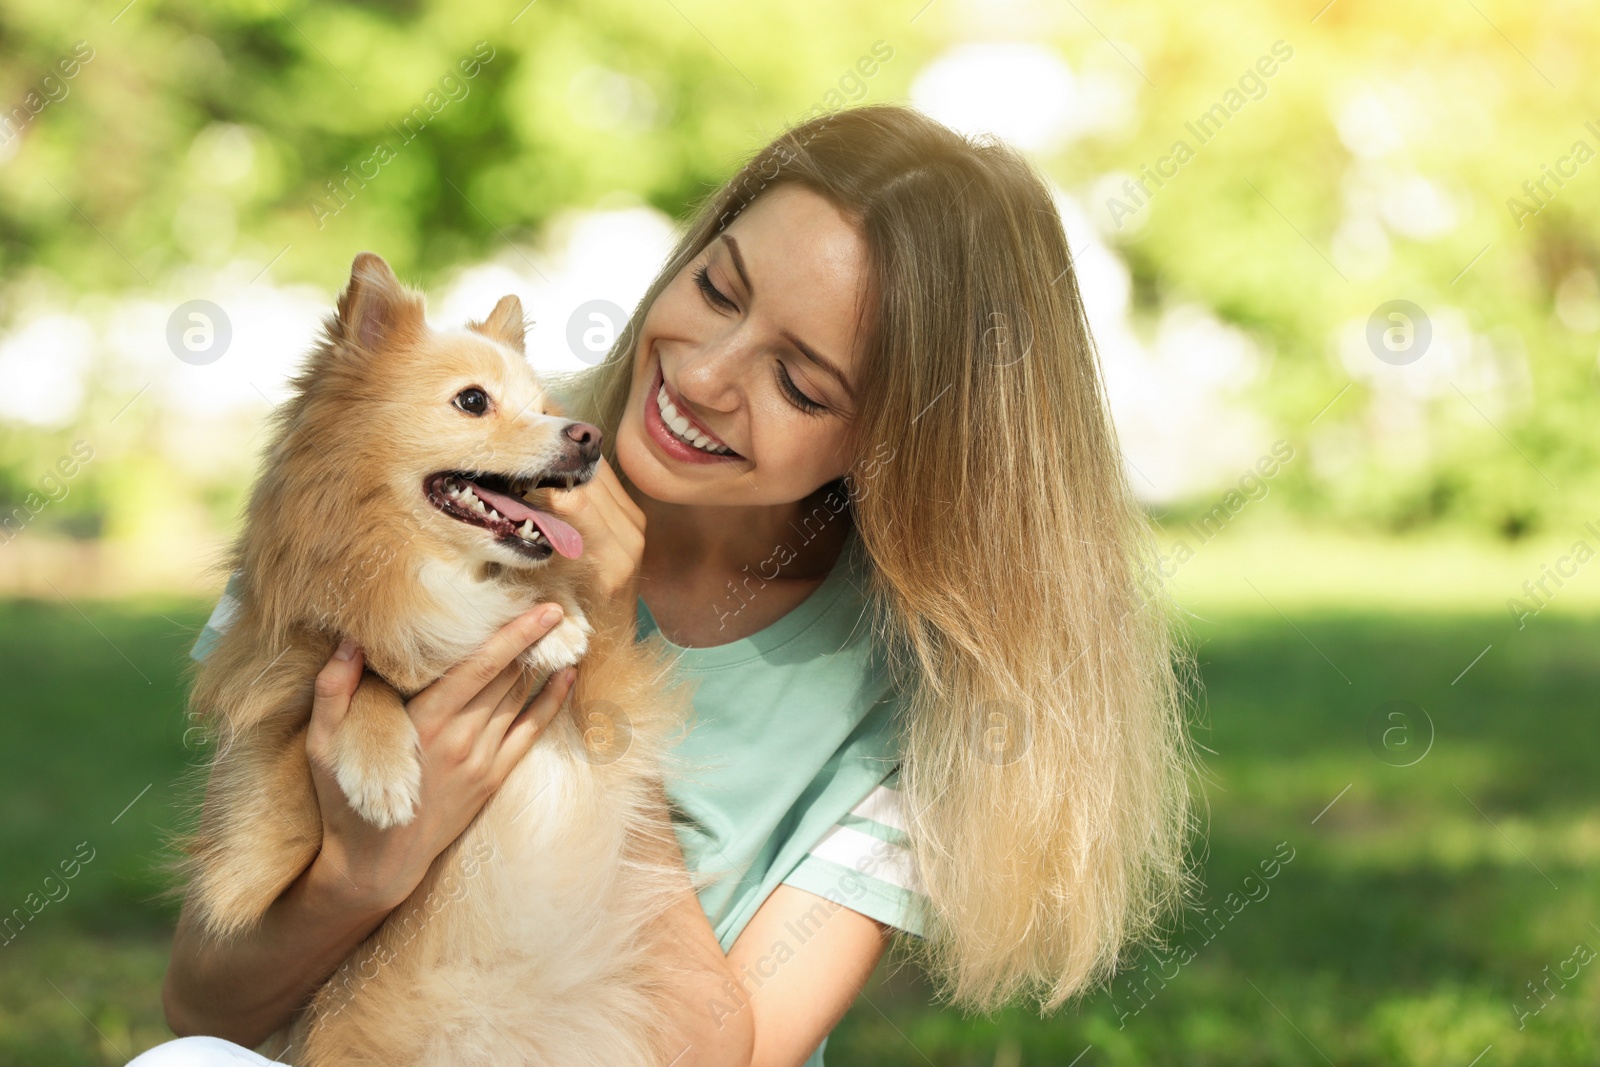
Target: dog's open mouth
[495,502]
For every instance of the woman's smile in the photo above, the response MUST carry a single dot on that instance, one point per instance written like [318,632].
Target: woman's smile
[678,433]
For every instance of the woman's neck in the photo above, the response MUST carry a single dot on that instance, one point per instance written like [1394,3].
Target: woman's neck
[800,540]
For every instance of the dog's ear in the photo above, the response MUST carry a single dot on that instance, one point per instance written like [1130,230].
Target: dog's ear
[375,309]
[505,324]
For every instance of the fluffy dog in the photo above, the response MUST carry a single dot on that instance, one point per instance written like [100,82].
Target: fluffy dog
[399,505]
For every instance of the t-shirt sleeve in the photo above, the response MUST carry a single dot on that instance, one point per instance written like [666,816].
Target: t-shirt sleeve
[864,863]
[221,618]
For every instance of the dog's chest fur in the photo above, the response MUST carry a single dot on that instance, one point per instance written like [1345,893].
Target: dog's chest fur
[461,609]
[455,607]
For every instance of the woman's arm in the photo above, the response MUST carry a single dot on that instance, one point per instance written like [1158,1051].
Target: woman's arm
[472,729]
[246,989]
[791,975]
[805,960]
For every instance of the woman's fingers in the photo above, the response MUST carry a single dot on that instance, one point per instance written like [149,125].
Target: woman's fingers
[596,507]
[612,526]
[528,724]
[613,485]
[460,684]
[512,700]
[628,521]
[332,692]
[491,697]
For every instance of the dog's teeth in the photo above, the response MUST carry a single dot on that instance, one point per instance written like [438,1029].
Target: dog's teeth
[525,531]
[477,505]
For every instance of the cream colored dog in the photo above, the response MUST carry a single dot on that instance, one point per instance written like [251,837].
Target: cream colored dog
[398,505]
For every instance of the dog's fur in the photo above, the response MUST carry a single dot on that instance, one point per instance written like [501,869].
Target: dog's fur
[535,937]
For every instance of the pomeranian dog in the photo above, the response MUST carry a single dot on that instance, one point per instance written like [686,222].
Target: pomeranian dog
[399,504]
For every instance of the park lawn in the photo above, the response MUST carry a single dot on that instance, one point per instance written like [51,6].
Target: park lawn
[1405,928]
[92,763]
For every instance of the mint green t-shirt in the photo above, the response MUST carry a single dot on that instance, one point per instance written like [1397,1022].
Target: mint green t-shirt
[795,726]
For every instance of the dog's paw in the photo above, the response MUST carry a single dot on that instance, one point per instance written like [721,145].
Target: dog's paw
[382,781]
[562,647]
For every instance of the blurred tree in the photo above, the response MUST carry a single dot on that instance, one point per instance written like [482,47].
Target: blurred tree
[1336,158]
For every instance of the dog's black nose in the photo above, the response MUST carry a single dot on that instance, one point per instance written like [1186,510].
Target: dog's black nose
[587,438]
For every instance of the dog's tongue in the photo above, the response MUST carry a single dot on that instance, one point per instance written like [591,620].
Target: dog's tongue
[563,538]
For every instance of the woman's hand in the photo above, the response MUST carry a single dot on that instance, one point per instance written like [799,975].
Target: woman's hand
[613,538]
[472,728]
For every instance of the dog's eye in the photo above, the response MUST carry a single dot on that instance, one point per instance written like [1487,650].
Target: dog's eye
[473,401]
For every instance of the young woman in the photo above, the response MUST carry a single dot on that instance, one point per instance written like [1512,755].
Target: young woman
[860,416]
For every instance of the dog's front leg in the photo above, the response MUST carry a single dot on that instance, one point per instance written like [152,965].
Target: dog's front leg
[375,756]
[564,646]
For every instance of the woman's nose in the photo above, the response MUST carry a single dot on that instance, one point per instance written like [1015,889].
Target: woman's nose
[710,374]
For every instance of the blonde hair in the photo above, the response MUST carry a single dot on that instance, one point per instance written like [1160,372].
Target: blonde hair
[1046,758]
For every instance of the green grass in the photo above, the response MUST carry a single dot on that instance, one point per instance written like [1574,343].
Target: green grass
[1403,931]
[94,716]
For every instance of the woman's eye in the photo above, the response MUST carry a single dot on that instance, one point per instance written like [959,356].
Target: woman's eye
[796,397]
[473,401]
[713,295]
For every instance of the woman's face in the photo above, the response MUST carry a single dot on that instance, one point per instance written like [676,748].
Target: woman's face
[741,340]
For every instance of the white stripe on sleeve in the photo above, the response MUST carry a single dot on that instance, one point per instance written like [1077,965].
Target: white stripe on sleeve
[870,856]
[882,805]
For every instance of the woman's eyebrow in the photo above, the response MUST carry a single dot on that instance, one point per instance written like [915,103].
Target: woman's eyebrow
[826,365]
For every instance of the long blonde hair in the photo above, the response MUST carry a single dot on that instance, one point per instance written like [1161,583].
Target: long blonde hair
[1046,758]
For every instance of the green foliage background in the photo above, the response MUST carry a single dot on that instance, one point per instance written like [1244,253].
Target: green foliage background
[203,131]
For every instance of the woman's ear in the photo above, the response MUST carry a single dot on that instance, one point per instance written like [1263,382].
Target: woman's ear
[375,310]
[505,324]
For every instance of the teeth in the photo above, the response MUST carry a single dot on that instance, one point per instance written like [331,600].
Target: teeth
[683,428]
[464,496]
